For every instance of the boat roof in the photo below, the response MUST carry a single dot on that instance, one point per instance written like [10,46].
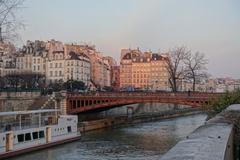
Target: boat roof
[28,112]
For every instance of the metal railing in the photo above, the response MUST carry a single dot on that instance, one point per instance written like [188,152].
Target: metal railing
[24,124]
[146,94]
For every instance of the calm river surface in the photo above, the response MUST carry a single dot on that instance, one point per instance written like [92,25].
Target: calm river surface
[146,141]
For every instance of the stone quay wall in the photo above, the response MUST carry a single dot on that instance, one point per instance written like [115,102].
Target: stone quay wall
[212,141]
[15,101]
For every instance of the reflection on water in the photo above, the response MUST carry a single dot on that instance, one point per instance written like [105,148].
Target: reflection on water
[137,109]
[146,141]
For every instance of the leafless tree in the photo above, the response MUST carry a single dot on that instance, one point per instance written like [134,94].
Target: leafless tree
[24,80]
[13,80]
[32,80]
[195,67]
[9,23]
[175,66]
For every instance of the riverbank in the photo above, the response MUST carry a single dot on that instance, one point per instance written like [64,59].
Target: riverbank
[218,139]
[88,126]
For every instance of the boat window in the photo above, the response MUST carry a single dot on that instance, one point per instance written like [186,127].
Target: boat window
[69,129]
[28,137]
[20,137]
[41,134]
[35,135]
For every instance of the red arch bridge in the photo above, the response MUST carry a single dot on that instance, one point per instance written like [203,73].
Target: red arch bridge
[78,103]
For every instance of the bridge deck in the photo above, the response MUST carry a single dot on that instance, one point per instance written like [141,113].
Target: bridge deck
[77,103]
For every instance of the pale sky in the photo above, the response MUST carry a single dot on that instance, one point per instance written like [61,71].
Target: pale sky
[208,26]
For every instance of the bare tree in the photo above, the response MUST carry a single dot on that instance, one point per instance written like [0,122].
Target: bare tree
[8,20]
[195,67]
[13,80]
[32,80]
[175,66]
[24,80]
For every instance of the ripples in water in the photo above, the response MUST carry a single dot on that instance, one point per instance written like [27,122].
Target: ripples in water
[146,141]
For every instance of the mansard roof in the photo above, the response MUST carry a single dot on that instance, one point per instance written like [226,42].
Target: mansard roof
[75,56]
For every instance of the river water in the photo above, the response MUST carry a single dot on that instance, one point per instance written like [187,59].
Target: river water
[145,141]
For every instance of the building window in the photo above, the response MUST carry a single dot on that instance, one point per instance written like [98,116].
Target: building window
[35,135]
[28,137]
[55,73]
[50,65]
[69,129]
[60,73]
[51,73]
[41,134]
[20,137]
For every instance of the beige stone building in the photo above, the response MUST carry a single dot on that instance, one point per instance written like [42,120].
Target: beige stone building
[77,67]
[32,58]
[7,71]
[111,63]
[55,67]
[116,77]
[143,70]
[54,46]
[100,67]
[57,62]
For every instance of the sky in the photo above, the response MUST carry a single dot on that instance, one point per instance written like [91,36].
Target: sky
[211,27]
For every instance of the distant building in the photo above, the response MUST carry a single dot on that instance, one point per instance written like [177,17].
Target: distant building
[111,63]
[55,67]
[143,70]
[116,77]
[77,68]
[54,46]
[32,58]
[100,68]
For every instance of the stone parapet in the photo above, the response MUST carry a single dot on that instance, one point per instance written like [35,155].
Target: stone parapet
[212,141]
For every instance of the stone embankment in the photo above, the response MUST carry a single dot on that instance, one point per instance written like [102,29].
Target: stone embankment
[132,119]
[16,101]
[212,141]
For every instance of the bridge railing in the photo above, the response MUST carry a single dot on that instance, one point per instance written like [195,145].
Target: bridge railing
[145,94]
